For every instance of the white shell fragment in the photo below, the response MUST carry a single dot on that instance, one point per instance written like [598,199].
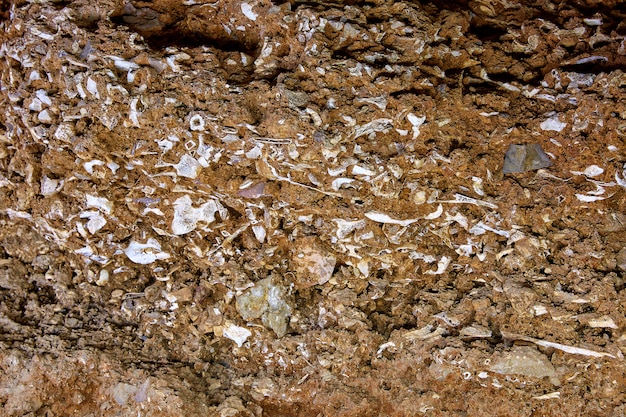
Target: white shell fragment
[442,265]
[339,182]
[42,95]
[259,233]
[480,228]
[345,227]
[50,186]
[186,217]
[591,171]
[96,220]
[553,124]
[44,117]
[377,125]
[246,9]
[549,396]
[604,322]
[463,199]
[89,165]
[145,253]
[133,114]
[621,181]
[359,170]
[589,198]
[100,203]
[121,64]
[475,331]
[597,21]
[188,167]
[92,87]
[417,122]
[564,348]
[477,185]
[196,122]
[65,132]
[385,218]
[237,334]
[380,102]
[435,214]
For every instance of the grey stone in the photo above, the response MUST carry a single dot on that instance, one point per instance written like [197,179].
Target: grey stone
[523,158]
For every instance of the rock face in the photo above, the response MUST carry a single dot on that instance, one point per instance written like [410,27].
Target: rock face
[247,208]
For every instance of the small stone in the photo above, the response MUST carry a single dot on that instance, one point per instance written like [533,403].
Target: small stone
[526,361]
[122,392]
[523,158]
[44,117]
[266,300]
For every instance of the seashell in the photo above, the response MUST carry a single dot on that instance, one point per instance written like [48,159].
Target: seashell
[385,218]
[417,122]
[196,123]
[186,217]
[145,253]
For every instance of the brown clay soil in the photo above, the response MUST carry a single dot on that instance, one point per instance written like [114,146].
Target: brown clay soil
[298,208]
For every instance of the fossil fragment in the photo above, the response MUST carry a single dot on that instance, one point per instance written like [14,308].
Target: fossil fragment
[145,253]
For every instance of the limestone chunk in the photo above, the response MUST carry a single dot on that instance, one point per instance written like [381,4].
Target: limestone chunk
[527,361]
[266,301]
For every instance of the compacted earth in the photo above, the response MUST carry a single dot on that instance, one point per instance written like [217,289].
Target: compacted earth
[312,208]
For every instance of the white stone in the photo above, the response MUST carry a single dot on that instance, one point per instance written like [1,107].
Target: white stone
[188,167]
[236,333]
[186,217]
[553,124]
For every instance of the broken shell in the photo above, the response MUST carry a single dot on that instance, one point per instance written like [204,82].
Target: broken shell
[145,253]
[553,124]
[237,334]
[196,123]
[188,166]
[186,217]
[385,218]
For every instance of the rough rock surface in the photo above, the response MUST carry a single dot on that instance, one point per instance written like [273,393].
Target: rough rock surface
[257,208]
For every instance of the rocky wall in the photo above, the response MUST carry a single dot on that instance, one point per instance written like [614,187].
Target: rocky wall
[243,208]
